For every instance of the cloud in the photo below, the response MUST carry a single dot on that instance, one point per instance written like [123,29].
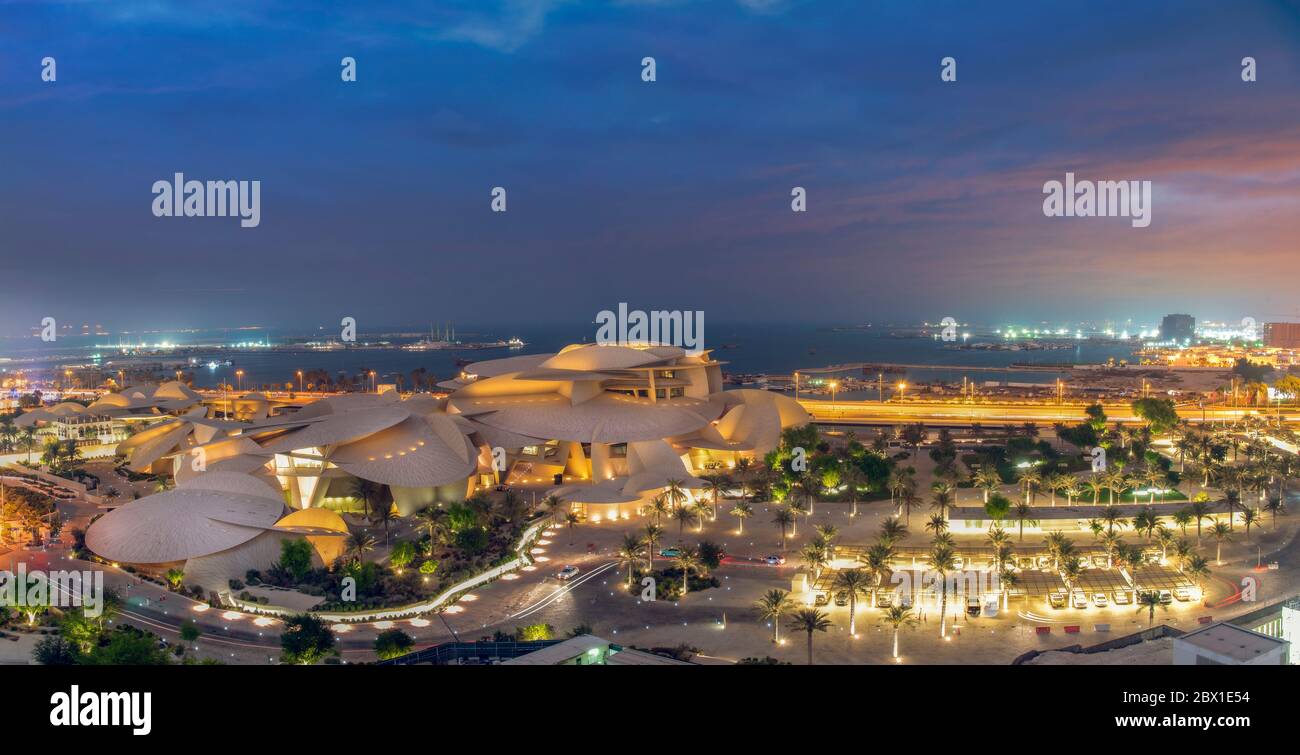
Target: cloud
[510,28]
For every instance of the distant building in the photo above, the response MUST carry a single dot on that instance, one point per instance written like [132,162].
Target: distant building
[1282,335]
[1180,328]
[1229,645]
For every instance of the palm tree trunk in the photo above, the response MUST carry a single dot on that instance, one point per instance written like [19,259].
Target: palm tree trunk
[895,642]
[810,661]
[943,608]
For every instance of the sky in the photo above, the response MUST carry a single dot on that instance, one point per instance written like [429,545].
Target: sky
[924,197]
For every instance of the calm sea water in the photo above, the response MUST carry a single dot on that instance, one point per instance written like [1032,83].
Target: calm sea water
[745,348]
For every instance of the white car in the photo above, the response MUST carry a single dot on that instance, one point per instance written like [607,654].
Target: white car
[567,573]
[1182,594]
[1079,600]
[1099,599]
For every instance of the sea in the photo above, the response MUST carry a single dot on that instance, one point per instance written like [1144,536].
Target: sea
[744,348]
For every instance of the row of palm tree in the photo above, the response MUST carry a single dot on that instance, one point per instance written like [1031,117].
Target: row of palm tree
[777,603]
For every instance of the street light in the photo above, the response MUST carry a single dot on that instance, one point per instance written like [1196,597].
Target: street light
[834,387]
[372,381]
[239,376]
[300,381]
[901,387]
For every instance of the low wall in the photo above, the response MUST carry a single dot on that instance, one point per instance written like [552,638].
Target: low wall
[413,609]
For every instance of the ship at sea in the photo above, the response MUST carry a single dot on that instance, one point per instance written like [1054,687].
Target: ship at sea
[444,339]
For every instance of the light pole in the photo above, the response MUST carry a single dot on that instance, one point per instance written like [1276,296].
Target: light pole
[372,381]
[239,376]
[901,388]
[834,387]
[796,386]
[300,381]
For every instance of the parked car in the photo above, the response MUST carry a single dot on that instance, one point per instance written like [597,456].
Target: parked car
[1166,597]
[1123,598]
[775,560]
[842,598]
[567,573]
[1182,594]
[1079,599]
[884,600]
[670,552]
[1099,599]
[821,599]
[1056,600]
[972,606]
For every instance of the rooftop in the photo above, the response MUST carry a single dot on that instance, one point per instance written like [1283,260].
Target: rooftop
[1235,642]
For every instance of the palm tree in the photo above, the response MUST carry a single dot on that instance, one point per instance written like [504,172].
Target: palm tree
[1199,510]
[1071,569]
[742,511]
[899,482]
[1030,479]
[798,508]
[687,558]
[852,477]
[1132,559]
[1220,532]
[1112,516]
[855,582]
[943,560]
[630,551]
[1148,601]
[783,518]
[1146,521]
[877,559]
[1182,518]
[675,493]
[825,539]
[907,500]
[1024,514]
[809,620]
[771,607]
[359,544]
[1096,483]
[1274,507]
[892,530]
[653,534]
[571,518]
[1183,553]
[987,479]
[658,507]
[1250,517]
[368,491]
[387,516]
[431,517]
[28,436]
[814,558]
[937,524]
[997,538]
[715,486]
[1198,569]
[898,617]
[685,515]
[942,500]
[1164,538]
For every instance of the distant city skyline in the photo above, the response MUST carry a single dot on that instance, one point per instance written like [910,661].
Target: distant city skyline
[924,197]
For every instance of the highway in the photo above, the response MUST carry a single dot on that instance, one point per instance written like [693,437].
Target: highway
[1005,413]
